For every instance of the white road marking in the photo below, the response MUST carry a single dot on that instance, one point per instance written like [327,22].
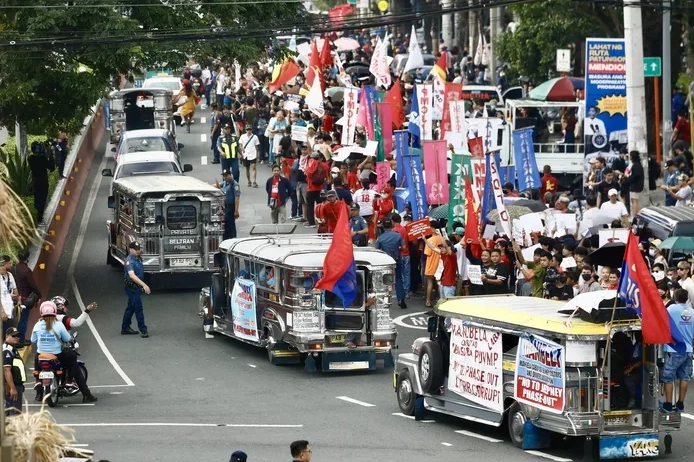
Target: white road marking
[170,424]
[548,456]
[78,445]
[109,386]
[62,405]
[203,120]
[447,444]
[116,393]
[478,436]
[400,320]
[200,378]
[203,160]
[73,263]
[355,401]
[411,417]
[203,138]
[687,416]
[252,365]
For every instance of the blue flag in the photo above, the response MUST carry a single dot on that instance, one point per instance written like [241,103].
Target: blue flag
[401,149]
[413,121]
[524,156]
[415,184]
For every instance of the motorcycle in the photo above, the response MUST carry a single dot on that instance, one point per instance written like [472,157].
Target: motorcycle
[53,382]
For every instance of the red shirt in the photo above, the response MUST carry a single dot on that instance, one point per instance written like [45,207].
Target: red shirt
[400,229]
[328,122]
[549,185]
[450,270]
[353,182]
[331,212]
[313,164]
[682,127]
[383,206]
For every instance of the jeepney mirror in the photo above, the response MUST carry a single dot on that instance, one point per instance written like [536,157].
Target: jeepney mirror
[187,168]
[113,149]
[107,172]
[111,202]
[181,146]
[432,324]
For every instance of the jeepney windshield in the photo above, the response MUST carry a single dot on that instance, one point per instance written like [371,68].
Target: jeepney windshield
[145,145]
[333,301]
[145,168]
[181,217]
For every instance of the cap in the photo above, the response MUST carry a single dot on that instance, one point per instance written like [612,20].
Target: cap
[612,192]
[226,172]
[249,129]
[331,193]
[12,332]
[135,245]
[679,146]
[670,163]
[623,150]
[335,170]
[656,242]
[680,160]
[238,456]
[683,177]
[226,126]
[315,155]
[459,231]
[354,207]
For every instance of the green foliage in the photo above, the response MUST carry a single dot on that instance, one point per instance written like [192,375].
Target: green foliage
[18,172]
[683,80]
[546,26]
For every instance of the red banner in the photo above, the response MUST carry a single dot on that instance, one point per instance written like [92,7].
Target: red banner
[419,228]
[476,146]
[453,92]
[385,114]
[436,171]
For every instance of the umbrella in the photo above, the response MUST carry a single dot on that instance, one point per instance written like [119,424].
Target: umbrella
[335,94]
[346,44]
[514,212]
[359,70]
[610,254]
[439,213]
[678,243]
[559,89]
[588,301]
[343,153]
[534,206]
[597,307]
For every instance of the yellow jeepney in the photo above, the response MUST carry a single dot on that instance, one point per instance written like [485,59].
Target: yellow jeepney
[520,361]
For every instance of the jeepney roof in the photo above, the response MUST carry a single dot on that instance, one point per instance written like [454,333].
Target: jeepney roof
[125,91]
[529,314]
[146,133]
[161,184]
[303,251]
[520,103]
[147,156]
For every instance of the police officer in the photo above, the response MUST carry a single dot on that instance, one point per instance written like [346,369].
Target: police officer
[134,273]
[14,372]
[233,199]
[228,147]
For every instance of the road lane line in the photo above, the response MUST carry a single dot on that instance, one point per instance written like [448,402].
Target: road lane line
[478,436]
[79,242]
[687,416]
[98,338]
[447,444]
[203,138]
[411,417]
[82,445]
[252,365]
[62,405]
[355,401]
[548,456]
[203,160]
[170,424]
[203,120]
[110,386]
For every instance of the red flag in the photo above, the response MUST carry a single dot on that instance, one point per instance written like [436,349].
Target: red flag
[476,147]
[314,67]
[453,92]
[287,71]
[326,58]
[472,219]
[637,288]
[339,268]
[394,97]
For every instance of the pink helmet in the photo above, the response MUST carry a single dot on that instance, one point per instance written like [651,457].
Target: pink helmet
[48,308]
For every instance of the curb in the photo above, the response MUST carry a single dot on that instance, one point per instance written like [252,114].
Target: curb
[45,255]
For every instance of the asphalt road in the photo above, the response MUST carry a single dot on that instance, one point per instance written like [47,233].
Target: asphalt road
[177,396]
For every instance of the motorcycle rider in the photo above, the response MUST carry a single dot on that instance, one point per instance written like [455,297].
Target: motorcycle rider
[49,336]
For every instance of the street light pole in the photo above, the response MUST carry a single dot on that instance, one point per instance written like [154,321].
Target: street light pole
[667,80]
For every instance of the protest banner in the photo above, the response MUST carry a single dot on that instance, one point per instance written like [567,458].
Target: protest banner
[540,374]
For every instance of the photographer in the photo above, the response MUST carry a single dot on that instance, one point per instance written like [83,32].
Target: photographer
[40,162]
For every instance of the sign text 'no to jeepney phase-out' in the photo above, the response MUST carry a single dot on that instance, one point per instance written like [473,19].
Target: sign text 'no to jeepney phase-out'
[476,365]
[540,374]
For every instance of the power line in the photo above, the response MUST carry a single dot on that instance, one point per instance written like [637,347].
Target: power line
[146,5]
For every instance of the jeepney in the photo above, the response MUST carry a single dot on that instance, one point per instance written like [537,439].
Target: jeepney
[265,295]
[518,361]
[140,109]
[178,220]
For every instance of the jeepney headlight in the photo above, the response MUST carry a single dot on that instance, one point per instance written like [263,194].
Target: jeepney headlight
[305,321]
[217,211]
[147,213]
[383,321]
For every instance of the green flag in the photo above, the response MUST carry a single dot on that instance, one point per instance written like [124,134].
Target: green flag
[456,193]
[378,134]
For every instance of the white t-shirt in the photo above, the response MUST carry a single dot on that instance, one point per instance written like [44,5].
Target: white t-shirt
[249,144]
[221,81]
[688,285]
[364,198]
[684,194]
[615,211]
[7,285]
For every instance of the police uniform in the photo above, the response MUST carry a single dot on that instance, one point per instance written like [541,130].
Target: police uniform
[12,359]
[229,147]
[232,191]
[134,293]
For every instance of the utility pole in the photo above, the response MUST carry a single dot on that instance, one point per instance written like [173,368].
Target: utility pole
[471,22]
[667,80]
[636,88]
[493,37]
[447,23]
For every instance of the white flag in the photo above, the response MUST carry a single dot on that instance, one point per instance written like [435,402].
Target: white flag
[314,99]
[375,58]
[237,76]
[499,197]
[383,78]
[415,59]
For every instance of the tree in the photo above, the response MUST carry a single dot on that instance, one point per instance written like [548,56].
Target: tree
[546,26]
[66,54]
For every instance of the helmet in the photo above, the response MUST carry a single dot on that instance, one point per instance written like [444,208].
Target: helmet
[61,303]
[48,309]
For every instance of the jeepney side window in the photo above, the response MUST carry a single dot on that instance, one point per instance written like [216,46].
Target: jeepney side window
[267,276]
[125,206]
[243,269]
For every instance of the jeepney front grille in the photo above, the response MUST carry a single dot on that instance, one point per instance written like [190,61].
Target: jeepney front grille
[344,321]
[150,243]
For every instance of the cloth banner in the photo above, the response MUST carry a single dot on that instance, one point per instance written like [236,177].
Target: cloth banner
[350,116]
[456,192]
[401,150]
[454,92]
[435,166]
[243,310]
[426,109]
[524,157]
[372,97]
[457,115]
[415,184]
[385,117]
[439,96]
[382,174]
[499,197]
[413,120]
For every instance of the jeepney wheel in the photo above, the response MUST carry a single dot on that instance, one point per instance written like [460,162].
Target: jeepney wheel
[406,395]
[516,424]
[430,367]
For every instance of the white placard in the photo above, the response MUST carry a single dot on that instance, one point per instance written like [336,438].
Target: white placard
[459,142]
[532,222]
[371,148]
[529,253]
[563,60]
[489,232]
[474,274]
[565,223]
[299,133]
[476,365]
[569,262]
[613,235]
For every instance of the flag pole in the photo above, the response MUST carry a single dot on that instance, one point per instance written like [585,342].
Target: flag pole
[607,347]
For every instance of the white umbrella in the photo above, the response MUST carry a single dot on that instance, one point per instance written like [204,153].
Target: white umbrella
[346,44]
[343,153]
[588,302]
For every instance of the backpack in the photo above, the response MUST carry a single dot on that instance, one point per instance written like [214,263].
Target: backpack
[318,176]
